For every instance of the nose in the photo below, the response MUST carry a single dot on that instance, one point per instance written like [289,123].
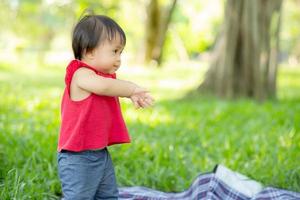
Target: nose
[118,61]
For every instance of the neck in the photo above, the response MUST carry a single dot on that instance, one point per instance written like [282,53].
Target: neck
[88,61]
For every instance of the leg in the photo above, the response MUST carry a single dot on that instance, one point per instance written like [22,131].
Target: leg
[80,174]
[108,188]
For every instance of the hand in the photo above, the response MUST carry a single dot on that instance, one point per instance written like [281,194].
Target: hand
[141,98]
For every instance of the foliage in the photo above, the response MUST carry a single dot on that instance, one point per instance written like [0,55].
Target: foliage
[171,143]
[38,25]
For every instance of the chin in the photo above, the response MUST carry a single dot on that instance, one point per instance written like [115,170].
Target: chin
[112,71]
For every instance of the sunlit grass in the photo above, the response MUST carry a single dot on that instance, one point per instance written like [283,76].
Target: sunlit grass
[171,143]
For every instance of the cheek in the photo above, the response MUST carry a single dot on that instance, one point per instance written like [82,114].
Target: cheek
[107,60]
[102,57]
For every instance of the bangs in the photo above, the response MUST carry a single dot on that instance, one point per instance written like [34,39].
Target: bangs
[110,31]
[112,35]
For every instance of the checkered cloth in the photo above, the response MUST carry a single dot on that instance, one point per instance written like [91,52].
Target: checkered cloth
[221,184]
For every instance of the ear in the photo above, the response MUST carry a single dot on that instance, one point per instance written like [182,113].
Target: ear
[89,54]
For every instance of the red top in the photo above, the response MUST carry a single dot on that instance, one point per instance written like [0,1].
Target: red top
[92,123]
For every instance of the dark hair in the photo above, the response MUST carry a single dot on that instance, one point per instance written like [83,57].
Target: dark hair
[91,31]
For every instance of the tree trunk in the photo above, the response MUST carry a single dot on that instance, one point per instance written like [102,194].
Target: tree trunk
[245,55]
[156,28]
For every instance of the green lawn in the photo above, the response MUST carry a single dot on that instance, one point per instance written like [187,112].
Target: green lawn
[171,143]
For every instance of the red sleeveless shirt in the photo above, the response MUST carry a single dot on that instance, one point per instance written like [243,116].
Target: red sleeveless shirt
[92,123]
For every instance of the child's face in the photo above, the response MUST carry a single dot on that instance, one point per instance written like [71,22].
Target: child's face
[107,56]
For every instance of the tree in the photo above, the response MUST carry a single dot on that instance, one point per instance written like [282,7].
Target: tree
[245,55]
[156,28]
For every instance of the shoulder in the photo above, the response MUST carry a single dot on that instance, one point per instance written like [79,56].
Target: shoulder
[87,79]
[83,72]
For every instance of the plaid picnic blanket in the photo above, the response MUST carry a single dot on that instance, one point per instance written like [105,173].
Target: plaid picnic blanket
[221,184]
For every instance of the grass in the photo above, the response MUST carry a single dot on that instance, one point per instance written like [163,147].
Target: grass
[171,143]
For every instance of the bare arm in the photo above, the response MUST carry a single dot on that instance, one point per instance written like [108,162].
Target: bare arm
[88,80]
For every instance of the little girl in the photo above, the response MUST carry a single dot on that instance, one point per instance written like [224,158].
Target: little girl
[91,117]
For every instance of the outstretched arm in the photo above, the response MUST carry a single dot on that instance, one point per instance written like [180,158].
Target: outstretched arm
[88,80]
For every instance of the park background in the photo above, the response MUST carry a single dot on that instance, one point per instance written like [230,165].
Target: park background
[171,45]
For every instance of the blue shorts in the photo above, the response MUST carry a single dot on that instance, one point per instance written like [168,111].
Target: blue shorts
[87,175]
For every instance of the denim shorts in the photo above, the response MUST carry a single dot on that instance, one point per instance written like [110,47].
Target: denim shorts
[87,175]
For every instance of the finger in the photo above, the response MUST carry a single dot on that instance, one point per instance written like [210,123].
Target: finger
[140,103]
[148,101]
[143,100]
[145,103]
[135,103]
[148,96]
